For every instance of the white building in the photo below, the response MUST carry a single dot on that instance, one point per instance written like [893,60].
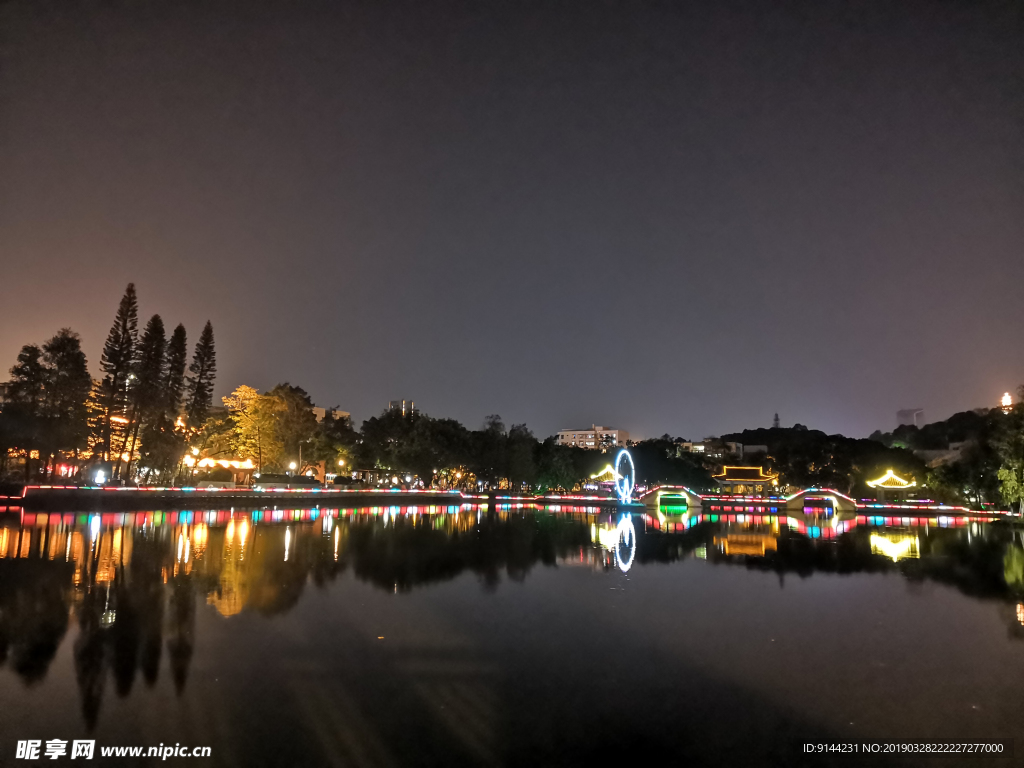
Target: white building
[334,413]
[714,448]
[596,437]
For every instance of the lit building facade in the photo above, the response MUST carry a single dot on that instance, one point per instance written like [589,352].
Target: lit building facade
[407,407]
[713,448]
[334,413]
[597,437]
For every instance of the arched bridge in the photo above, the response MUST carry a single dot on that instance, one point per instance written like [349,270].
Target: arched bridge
[672,494]
[798,502]
[816,497]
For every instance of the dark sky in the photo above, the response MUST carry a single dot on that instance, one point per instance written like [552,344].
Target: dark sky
[665,217]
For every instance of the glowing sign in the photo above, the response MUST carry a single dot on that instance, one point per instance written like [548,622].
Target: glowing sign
[625,477]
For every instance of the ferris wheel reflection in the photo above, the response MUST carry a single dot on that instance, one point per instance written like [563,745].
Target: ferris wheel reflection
[620,540]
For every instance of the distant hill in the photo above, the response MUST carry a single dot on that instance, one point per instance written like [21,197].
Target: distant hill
[809,457]
[977,425]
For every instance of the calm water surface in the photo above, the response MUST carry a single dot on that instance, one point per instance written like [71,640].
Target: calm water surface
[466,636]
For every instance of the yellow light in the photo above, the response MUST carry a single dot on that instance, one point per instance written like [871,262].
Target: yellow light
[195,451]
[1007,402]
[896,547]
[119,419]
[188,461]
[608,537]
[341,462]
[226,463]
[891,480]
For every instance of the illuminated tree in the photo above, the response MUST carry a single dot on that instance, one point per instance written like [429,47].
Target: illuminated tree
[254,433]
[1011,452]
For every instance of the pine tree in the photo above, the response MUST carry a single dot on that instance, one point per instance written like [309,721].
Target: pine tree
[149,367]
[174,375]
[775,421]
[149,378]
[117,360]
[22,412]
[202,372]
[67,386]
[27,378]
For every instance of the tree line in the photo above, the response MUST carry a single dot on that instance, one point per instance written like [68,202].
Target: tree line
[153,405]
[144,401]
[979,454]
[276,429]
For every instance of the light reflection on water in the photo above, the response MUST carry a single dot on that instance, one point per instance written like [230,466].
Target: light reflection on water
[132,592]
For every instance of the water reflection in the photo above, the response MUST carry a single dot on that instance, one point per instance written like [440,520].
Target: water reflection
[133,583]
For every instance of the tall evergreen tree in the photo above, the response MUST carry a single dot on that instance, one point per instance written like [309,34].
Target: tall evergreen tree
[202,372]
[67,386]
[27,378]
[149,371]
[149,368]
[22,412]
[174,375]
[118,359]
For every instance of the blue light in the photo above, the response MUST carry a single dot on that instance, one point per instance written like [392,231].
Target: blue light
[626,536]
[624,483]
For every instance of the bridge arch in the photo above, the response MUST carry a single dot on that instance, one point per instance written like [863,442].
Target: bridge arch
[669,494]
[840,501]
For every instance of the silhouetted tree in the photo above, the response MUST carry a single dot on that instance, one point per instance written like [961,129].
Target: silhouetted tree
[25,392]
[147,396]
[174,373]
[67,385]
[202,372]
[117,361]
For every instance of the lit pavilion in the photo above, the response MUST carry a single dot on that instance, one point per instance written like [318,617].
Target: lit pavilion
[746,481]
[891,485]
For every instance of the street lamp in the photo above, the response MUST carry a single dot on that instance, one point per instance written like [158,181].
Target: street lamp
[292,466]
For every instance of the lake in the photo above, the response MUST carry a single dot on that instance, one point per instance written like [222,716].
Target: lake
[466,635]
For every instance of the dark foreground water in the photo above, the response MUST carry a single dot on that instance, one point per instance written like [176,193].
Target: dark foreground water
[465,636]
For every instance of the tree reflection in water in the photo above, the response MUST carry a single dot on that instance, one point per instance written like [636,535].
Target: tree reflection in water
[132,586]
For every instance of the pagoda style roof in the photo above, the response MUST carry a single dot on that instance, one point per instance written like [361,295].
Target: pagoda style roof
[744,474]
[891,481]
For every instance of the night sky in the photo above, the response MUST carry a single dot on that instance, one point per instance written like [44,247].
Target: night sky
[664,217]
